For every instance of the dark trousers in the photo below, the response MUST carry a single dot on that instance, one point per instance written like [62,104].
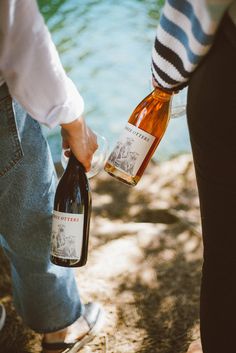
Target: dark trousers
[211,111]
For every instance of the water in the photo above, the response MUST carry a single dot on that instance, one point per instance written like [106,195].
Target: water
[105,47]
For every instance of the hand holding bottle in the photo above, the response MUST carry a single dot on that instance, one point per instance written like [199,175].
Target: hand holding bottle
[72,203]
[81,140]
[71,217]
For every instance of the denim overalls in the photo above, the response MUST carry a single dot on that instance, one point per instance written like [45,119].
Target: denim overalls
[45,295]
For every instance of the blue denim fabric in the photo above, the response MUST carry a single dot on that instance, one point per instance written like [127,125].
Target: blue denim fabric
[45,295]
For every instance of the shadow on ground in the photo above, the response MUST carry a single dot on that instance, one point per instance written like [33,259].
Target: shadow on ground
[166,296]
[144,265]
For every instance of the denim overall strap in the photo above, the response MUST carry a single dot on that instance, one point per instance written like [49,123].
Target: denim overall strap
[45,295]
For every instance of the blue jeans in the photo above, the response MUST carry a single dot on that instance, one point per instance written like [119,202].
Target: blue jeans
[45,295]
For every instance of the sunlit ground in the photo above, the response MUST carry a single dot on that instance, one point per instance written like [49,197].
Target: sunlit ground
[144,265]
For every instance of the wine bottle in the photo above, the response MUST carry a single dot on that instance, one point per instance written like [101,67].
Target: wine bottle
[71,217]
[140,138]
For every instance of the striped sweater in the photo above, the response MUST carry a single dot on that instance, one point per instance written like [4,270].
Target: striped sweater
[184,36]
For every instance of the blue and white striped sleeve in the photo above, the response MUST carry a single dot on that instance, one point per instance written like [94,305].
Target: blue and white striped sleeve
[184,36]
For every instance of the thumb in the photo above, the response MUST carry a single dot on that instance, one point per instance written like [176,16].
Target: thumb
[65,143]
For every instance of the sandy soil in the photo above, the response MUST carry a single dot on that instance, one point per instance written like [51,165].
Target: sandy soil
[144,265]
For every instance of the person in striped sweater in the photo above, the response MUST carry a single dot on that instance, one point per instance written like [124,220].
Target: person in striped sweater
[195,46]
[186,33]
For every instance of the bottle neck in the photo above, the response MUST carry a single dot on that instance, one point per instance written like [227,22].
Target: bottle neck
[161,93]
[75,164]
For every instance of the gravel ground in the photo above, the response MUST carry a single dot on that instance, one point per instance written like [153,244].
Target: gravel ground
[144,265]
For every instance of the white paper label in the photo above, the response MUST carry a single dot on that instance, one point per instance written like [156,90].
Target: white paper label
[131,149]
[67,235]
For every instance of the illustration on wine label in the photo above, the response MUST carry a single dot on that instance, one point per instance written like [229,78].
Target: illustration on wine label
[67,235]
[131,149]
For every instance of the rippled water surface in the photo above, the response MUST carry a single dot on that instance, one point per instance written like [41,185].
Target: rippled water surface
[105,47]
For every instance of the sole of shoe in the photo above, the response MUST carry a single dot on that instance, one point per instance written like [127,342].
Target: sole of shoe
[3,316]
[90,335]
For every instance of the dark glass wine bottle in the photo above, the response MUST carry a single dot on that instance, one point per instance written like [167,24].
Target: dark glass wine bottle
[71,217]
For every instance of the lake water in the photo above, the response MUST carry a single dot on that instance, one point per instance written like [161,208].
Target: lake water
[105,47]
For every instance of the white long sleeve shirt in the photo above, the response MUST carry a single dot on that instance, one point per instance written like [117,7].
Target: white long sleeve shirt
[30,65]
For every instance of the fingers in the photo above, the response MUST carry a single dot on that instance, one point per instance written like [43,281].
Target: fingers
[65,144]
[81,140]
[154,83]
[85,153]
[67,153]
[94,141]
[87,165]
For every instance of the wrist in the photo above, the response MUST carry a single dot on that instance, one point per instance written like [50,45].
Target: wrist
[157,86]
[77,123]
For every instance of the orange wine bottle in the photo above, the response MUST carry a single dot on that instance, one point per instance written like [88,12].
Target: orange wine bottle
[140,138]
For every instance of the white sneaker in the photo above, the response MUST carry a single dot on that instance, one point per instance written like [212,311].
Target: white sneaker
[82,331]
[2,316]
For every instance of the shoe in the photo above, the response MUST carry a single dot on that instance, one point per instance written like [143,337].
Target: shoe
[2,316]
[86,328]
[195,347]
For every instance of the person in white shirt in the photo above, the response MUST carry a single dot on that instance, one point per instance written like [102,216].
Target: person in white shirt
[34,90]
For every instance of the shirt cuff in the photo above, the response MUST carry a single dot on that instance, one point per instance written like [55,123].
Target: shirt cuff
[65,113]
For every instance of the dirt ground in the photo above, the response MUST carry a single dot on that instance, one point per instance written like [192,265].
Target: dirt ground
[144,265]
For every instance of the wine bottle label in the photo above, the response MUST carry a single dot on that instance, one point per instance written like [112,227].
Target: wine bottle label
[67,235]
[131,149]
